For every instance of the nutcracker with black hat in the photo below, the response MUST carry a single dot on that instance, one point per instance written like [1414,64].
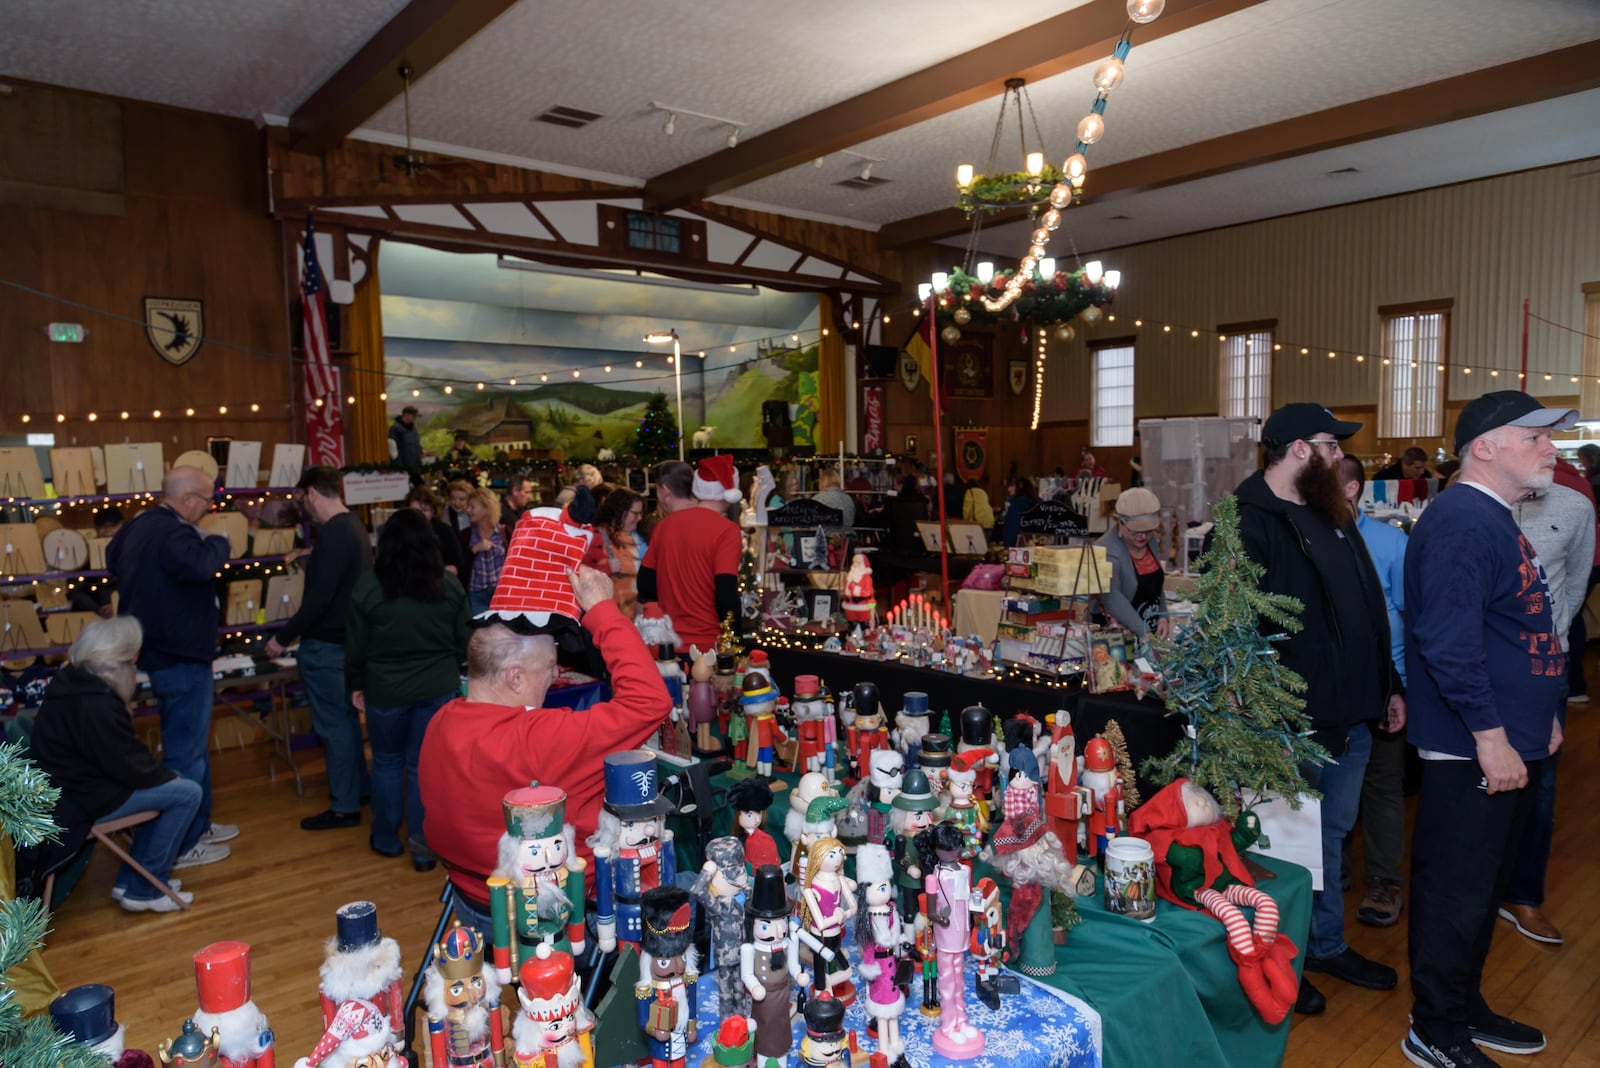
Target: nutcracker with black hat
[536,892]
[665,992]
[933,757]
[359,963]
[462,995]
[977,732]
[824,1044]
[769,963]
[554,1029]
[87,1016]
[359,1036]
[866,732]
[633,851]
[761,728]
[750,800]
[222,980]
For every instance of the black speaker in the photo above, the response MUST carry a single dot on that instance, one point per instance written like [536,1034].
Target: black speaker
[879,361]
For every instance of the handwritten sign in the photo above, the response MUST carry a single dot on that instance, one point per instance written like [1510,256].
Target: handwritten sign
[804,512]
[1055,519]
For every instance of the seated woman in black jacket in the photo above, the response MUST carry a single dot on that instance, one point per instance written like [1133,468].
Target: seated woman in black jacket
[84,740]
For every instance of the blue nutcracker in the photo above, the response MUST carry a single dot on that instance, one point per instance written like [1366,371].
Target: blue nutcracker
[633,850]
[665,993]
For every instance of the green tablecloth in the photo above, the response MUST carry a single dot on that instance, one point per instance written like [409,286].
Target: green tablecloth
[1167,991]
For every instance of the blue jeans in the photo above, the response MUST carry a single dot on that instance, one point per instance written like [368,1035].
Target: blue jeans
[469,915]
[334,719]
[1533,855]
[157,843]
[396,735]
[1340,785]
[478,600]
[184,698]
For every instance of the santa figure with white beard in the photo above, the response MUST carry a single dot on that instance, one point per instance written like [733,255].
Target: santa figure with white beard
[553,1030]
[222,980]
[463,999]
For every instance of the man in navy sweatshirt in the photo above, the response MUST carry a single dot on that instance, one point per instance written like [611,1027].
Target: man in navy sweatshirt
[1486,671]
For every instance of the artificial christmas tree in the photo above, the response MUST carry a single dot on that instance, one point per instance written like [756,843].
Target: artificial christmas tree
[1248,733]
[657,437]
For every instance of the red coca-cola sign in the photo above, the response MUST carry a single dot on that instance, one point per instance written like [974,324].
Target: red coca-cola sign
[874,424]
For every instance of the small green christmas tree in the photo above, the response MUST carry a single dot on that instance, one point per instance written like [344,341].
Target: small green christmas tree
[1249,732]
[26,802]
[657,437]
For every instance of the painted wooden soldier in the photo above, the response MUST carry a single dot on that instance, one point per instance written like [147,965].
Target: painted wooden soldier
[815,727]
[633,851]
[825,1044]
[553,1028]
[222,980]
[868,732]
[360,964]
[914,810]
[769,964]
[536,892]
[462,995]
[720,890]
[762,732]
[750,800]
[886,769]
[966,809]
[665,992]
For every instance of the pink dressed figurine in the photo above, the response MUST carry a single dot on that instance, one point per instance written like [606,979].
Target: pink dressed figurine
[703,700]
[878,938]
[827,902]
[949,892]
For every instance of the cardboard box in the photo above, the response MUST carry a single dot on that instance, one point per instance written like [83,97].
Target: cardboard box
[1025,602]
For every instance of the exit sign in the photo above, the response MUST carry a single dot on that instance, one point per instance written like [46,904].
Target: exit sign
[70,333]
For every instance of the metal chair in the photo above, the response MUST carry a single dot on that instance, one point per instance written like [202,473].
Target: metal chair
[105,832]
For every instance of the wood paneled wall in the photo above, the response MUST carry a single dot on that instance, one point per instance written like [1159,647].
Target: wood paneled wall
[193,224]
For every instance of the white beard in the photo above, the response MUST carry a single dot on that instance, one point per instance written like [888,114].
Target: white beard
[238,1030]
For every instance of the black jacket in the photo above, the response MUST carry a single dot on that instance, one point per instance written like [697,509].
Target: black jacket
[166,571]
[84,740]
[1349,677]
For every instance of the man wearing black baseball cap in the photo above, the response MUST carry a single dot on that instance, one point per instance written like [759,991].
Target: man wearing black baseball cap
[1295,523]
[1484,659]
[405,444]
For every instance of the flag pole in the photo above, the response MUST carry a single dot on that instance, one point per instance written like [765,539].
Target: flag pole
[938,447]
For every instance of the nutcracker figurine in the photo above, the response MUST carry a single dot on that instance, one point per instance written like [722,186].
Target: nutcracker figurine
[934,759]
[815,728]
[360,964]
[910,725]
[988,941]
[658,634]
[966,809]
[817,825]
[725,684]
[913,812]
[825,904]
[222,979]
[977,732]
[824,1044]
[87,1016]
[949,890]
[720,891]
[553,1030]
[887,768]
[190,1049]
[867,734]
[769,964]
[667,978]
[750,800]
[1065,802]
[633,852]
[536,891]
[702,700]
[1098,774]
[1019,758]
[360,1036]
[1033,859]
[878,938]
[761,729]
[463,999]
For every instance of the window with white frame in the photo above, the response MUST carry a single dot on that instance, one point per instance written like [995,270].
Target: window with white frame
[1111,414]
[1244,384]
[1415,357]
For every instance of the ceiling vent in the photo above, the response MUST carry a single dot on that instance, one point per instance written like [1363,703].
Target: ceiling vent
[855,181]
[572,118]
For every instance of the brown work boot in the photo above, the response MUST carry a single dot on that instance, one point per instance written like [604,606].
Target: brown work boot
[1381,907]
[1530,921]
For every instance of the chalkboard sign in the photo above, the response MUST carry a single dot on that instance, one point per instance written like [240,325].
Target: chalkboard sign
[1055,519]
[805,512]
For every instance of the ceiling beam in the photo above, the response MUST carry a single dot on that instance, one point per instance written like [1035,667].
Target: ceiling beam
[1523,81]
[1071,39]
[420,36]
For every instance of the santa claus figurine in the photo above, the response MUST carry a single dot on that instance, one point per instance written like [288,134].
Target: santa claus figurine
[359,1036]
[360,963]
[859,605]
[554,1029]
[222,979]
[1066,803]
[463,999]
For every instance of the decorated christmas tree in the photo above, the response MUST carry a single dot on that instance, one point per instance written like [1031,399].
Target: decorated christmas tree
[657,437]
[26,802]
[1247,725]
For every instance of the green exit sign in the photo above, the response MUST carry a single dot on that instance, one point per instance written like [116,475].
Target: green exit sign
[71,333]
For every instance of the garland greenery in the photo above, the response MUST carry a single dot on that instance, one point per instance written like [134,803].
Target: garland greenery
[996,192]
[1043,301]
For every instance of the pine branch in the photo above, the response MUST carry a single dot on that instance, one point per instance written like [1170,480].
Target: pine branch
[27,799]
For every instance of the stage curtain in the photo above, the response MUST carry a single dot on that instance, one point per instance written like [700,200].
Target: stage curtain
[369,430]
[831,355]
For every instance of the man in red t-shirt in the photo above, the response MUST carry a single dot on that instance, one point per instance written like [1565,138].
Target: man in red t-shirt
[692,564]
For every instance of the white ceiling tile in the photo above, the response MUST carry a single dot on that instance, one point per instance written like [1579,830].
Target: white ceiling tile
[512,218]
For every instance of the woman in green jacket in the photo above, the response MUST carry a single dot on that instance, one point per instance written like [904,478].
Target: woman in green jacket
[405,640]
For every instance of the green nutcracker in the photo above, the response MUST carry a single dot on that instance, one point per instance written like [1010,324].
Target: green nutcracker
[536,893]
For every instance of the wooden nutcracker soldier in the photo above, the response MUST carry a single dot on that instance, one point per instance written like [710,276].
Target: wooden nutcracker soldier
[914,811]
[886,769]
[462,995]
[553,1028]
[878,939]
[1098,774]
[222,980]
[536,891]
[934,758]
[359,1036]
[824,1044]
[665,992]
[815,728]
[750,800]
[633,851]
[867,733]
[1065,802]
[948,886]
[360,964]
[769,964]
[1019,757]
[720,890]
[977,732]
[911,725]
[658,634]
[725,684]
[965,808]
[87,1016]
[762,732]
[988,941]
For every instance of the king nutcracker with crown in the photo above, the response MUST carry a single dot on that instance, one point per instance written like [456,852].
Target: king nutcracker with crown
[633,851]
[462,995]
[665,992]
[359,963]
[554,1030]
[222,980]
[536,891]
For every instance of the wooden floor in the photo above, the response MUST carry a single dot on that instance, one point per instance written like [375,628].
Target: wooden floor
[280,888]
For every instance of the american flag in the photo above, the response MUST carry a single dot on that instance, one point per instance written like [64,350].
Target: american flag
[314,323]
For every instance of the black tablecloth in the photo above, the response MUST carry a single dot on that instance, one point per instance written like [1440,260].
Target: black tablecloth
[1146,726]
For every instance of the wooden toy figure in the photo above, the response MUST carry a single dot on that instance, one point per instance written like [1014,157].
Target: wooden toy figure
[825,905]
[988,941]
[878,938]
[658,634]
[1032,858]
[633,853]
[867,733]
[359,963]
[1019,757]
[667,977]
[536,893]
[87,1016]
[190,1049]
[463,999]
[859,604]
[1098,774]
[910,725]
[824,1044]
[702,700]
[769,964]
[886,771]
[949,891]
[964,810]
[750,800]
[913,812]
[817,825]
[720,890]
[934,758]
[360,1036]
[222,979]
[725,684]
[977,732]
[553,1030]
[1065,802]
[816,729]
[761,729]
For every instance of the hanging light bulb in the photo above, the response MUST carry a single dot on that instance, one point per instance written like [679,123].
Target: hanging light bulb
[1143,11]
[1107,75]
[672,124]
[1047,267]
[1041,236]
[964,175]
[1113,279]
[941,281]
[1051,219]
[1092,271]
[986,272]
[1035,163]
[449,389]
[1075,166]
[924,291]
[1090,128]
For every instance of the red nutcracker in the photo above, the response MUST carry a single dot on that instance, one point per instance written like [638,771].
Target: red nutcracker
[988,941]
[360,964]
[762,733]
[463,1000]
[222,979]
[554,1030]
[1065,802]
[815,725]
[867,732]
[1099,776]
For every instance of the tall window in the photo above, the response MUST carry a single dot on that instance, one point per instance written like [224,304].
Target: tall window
[1244,387]
[1415,353]
[1111,417]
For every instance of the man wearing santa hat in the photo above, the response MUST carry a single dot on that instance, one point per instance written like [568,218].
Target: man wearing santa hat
[692,564]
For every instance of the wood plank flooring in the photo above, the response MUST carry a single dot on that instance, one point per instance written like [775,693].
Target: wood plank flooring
[280,888]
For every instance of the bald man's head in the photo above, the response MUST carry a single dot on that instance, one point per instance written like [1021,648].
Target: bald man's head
[188,491]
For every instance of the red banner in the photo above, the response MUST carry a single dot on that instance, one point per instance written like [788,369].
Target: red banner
[874,420]
[325,424]
[972,454]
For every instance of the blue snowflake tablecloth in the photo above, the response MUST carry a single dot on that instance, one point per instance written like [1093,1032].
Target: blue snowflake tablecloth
[1039,1027]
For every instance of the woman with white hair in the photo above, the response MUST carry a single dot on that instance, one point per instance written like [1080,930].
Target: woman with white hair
[84,740]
